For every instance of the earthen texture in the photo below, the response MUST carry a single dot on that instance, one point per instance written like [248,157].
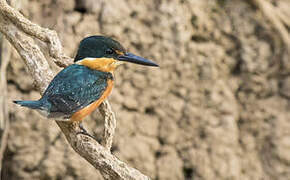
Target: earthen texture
[218,107]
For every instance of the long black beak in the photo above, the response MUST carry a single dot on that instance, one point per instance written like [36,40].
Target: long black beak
[129,57]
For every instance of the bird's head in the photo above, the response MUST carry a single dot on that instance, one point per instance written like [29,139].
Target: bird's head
[105,54]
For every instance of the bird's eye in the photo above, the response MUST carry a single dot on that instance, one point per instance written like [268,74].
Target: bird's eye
[109,51]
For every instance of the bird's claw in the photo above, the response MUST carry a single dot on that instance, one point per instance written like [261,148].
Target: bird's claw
[84,131]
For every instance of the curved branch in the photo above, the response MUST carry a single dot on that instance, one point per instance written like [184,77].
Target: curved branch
[99,156]
[43,34]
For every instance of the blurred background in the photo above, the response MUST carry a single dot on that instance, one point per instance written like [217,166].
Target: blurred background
[217,108]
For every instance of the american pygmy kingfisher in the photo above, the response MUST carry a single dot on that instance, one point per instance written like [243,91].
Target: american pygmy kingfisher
[80,88]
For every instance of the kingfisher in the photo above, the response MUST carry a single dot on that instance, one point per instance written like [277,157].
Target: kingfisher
[80,88]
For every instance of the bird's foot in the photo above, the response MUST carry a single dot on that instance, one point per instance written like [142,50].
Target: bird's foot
[84,131]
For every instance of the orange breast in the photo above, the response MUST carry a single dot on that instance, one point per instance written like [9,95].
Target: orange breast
[81,114]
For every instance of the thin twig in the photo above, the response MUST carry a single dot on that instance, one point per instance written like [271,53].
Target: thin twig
[109,126]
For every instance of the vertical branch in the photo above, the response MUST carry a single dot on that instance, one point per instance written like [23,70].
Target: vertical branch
[109,126]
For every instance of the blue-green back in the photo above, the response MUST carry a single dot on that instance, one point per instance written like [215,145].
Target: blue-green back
[74,88]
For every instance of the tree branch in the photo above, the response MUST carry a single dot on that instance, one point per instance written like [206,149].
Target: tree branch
[12,24]
[43,34]
[110,124]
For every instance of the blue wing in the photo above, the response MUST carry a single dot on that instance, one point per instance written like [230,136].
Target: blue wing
[74,88]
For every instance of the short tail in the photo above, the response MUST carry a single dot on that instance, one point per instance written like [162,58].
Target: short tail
[30,104]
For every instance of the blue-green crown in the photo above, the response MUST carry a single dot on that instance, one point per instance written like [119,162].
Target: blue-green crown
[98,47]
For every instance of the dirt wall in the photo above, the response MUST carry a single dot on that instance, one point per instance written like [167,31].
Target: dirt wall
[217,108]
